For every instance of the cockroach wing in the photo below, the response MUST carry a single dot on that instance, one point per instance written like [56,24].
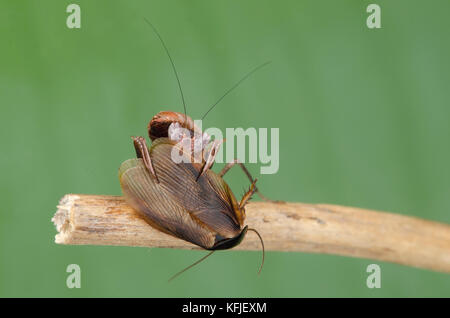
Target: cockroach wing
[201,211]
[208,199]
[157,207]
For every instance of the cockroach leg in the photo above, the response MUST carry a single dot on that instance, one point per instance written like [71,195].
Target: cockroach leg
[248,195]
[140,145]
[237,162]
[211,157]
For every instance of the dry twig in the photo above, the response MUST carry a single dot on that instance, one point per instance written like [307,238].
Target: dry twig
[315,228]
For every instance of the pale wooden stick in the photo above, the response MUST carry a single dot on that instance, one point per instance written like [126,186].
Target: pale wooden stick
[314,228]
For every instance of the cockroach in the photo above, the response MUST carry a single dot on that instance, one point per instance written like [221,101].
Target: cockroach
[187,200]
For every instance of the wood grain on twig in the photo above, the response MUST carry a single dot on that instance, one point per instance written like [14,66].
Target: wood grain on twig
[315,228]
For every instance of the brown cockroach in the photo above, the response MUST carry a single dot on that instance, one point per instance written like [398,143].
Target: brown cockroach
[186,200]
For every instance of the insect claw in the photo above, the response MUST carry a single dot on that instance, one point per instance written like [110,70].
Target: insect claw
[211,157]
[248,195]
[142,152]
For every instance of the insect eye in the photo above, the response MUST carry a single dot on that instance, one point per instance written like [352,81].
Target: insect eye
[200,141]
[176,132]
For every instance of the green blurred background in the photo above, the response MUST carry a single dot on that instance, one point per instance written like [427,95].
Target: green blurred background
[363,117]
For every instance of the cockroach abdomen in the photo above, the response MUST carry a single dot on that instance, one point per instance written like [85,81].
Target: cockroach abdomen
[227,243]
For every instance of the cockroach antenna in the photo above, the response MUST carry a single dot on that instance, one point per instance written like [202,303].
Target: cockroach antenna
[171,62]
[236,85]
[190,266]
[210,253]
[173,215]
[262,244]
